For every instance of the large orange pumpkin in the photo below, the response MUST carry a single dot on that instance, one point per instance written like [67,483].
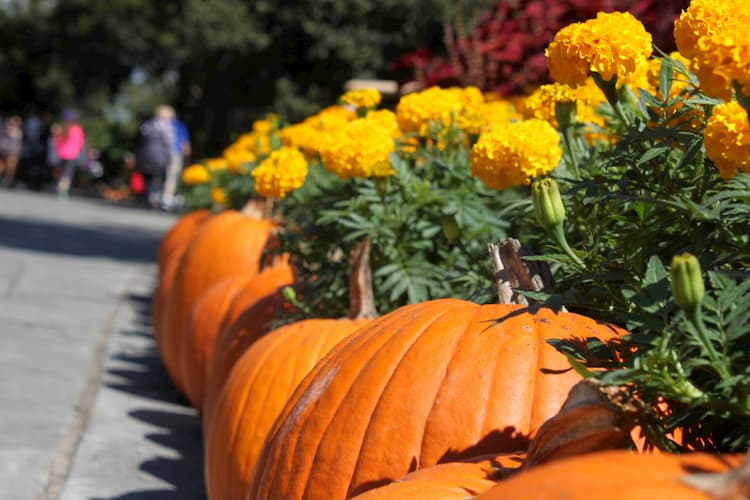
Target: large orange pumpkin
[431,382]
[254,393]
[614,475]
[228,244]
[449,481]
[168,257]
[200,334]
[260,302]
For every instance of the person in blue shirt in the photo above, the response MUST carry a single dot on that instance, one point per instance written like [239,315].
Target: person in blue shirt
[180,154]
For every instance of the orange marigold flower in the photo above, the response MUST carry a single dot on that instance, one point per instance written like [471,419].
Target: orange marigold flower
[362,98]
[727,139]
[196,174]
[612,44]
[513,157]
[283,171]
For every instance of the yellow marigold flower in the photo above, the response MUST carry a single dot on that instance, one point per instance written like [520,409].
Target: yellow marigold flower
[721,60]
[612,44]
[282,172]
[386,119]
[513,157]
[416,112]
[310,133]
[219,196]
[217,163]
[541,103]
[362,98]
[727,139]
[498,114]
[196,174]
[237,155]
[361,149]
[703,18]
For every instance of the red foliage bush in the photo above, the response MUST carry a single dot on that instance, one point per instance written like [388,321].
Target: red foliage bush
[505,52]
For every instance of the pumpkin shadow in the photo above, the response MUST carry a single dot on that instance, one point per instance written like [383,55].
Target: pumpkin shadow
[507,440]
[176,427]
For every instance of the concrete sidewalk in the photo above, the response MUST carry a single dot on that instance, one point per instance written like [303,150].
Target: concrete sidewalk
[86,409]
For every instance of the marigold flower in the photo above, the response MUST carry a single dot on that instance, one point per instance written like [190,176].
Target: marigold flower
[612,44]
[283,171]
[416,112]
[196,174]
[498,114]
[703,18]
[727,139]
[217,163]
[219,196]
[310,133]
[361,149]
[362,98]
[513,157]
[712,34]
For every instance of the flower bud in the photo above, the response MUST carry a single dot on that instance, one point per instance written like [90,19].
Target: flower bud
[548,206]
[451,229]
[382,185]
[289,295]
[687,282]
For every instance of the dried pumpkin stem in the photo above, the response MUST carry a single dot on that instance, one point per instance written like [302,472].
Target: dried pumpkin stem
[361,295]
[594,417]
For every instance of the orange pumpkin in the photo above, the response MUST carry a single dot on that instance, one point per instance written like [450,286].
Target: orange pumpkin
[254,393]
[228,244]
[200,334]
[168,257]
[180,234]
[449,481]
[428,383]
[260,302]
[614,475]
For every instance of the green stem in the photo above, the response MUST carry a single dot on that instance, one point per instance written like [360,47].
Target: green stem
[568,141]
[609,88]
[559,235]
[695,316]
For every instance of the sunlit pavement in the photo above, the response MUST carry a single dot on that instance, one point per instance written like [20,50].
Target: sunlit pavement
[86,409]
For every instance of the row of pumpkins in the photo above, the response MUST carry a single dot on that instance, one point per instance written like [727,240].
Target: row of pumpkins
[441,399]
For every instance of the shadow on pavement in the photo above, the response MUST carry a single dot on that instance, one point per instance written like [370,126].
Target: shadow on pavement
[179,428]
[128,244]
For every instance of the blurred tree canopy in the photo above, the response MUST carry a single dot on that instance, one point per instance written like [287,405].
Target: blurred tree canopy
[222,63]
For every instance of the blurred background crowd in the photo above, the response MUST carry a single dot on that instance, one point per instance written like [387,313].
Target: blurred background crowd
[82,83]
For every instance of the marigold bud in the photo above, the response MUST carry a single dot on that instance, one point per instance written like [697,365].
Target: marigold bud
[548,206]
[451,229]
[687,282]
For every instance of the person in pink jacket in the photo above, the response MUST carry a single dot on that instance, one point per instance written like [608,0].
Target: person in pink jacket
[69,142]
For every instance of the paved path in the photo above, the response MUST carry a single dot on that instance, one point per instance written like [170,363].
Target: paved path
[86,410]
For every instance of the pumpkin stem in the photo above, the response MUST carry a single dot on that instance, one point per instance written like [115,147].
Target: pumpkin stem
[594,417]
[361,295]
[512,272]
[254,208]
[733,484]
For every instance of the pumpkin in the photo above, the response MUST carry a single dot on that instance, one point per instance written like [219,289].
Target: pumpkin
[449,481]
[179,235]
[260,302]
[228,244]
[258,386]
[168,256]
[431,382]
[200,333]
[265,375]
[616,474]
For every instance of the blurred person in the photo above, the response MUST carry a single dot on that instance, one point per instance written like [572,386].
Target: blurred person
[153,152]
[69,143]
[11,143]
[34,150]
[180,155]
